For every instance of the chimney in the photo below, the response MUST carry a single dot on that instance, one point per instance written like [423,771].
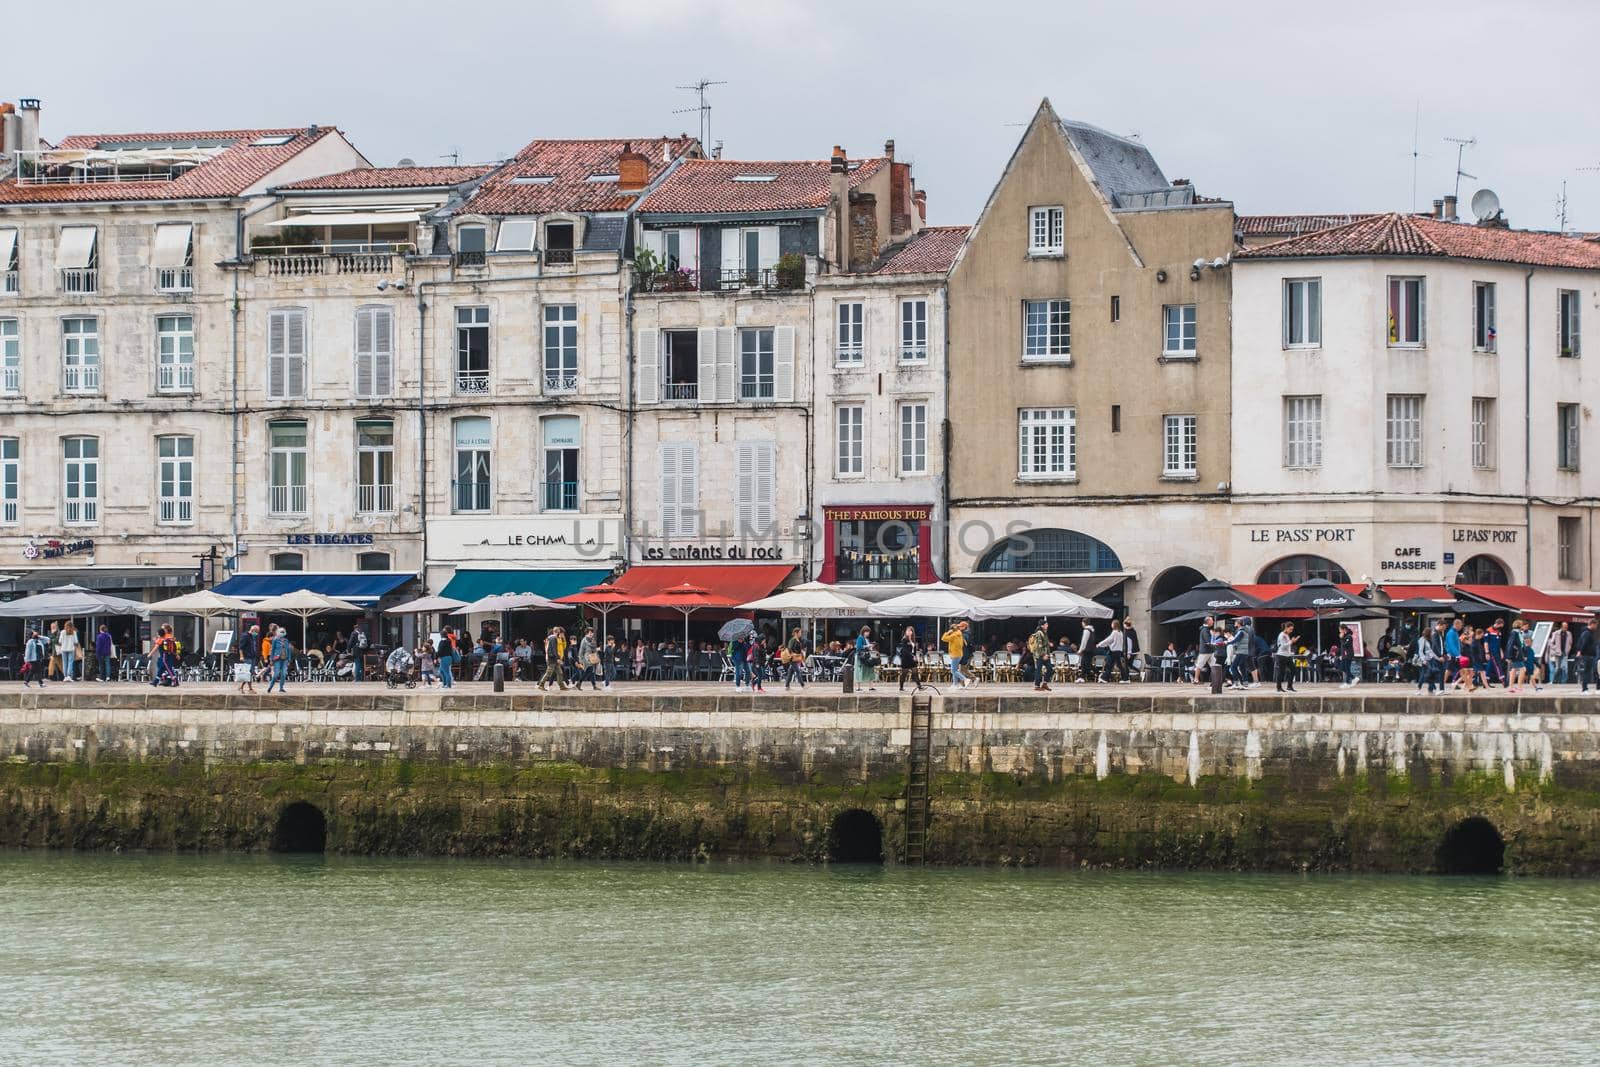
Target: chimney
[28,126]
[888,149]
[633,169]
[1449,208]
[921,199]
[839,197]
[863,228]
[1438,209]
[8,128]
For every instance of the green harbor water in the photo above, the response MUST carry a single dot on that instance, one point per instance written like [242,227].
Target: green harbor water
[255,960]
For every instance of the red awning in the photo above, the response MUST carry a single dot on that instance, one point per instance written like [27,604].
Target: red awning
[1399,591]
[1524,600]
[741,583]
[1582,603]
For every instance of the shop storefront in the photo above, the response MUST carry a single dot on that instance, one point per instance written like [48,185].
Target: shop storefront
[1470,550]
[883,544]
[472,557]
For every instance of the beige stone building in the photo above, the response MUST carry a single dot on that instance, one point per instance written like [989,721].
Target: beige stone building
[1090,373]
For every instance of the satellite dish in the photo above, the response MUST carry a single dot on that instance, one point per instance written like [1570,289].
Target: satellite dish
[409,162]
[1485,205]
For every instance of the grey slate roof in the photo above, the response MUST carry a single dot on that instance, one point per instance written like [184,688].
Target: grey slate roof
[1124,169]
[605,234]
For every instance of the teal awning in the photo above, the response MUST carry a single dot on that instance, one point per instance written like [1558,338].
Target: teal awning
[469,585]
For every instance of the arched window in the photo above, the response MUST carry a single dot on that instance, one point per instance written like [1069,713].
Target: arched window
[1050,552]
[1292,570]
[1482,570]
[372,561]
[288,561]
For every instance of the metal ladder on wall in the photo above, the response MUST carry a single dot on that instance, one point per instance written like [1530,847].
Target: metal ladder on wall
[917,768]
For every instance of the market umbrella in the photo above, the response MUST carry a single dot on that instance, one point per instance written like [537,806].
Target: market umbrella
[499,602]
[203,603]
[1045,600]
[936,600]
[1434,607]
[1197,616]
[604,598]
[812,600]
[687,599]
[305,603]
[1318,596]
[426,605]
[70,600]
[1212,596]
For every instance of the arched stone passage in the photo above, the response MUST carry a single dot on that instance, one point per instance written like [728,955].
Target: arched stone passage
[1483,570]
[1471,846]
[301,827]
[1174,581]
[855,837]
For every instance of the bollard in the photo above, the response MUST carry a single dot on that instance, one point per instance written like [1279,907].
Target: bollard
[499,677]
[848,677]
[1216,678]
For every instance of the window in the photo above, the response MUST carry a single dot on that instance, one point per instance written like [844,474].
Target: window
[374,351]
[172,257]
[1292,570]
[372,561]
[680,490]
[1044,231]
[755,488]
[1403,430]
[374,466]
[1302,431]
[756,365]
[1569,544]
[850,428]
[472,481]
[1050,552]
[1483,328]
[561,463]
[1567,436]
[78,259]
[1116,309]
[1406,320]
[175,353]
[288,561]
[1482,570]
[472,246]
[877,550]
[80,355]
[1483,443]
[1047,443]
[516,235]
[1116,418]
[1180,330]
[852,332]
[1047,329]
[678,252]
[286,353]
[748,256]
[287,468]
[1302,312]
[1567,329]
[913,438]
[560,239]
[680,366]
[10,480]
[80,482]
[1180,452]
[10,357]
[175,480]
[10,280]
[561,348]
[913,330]
[472,350]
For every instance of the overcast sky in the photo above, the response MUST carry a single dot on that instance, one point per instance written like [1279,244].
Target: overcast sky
[1279,107]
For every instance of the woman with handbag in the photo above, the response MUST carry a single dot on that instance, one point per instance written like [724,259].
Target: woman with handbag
[866,660]
[589,661]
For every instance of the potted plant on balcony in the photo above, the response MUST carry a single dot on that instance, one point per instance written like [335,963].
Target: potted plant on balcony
[791,271]
[648,265]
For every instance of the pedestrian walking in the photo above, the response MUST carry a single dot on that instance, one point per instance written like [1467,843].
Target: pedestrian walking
[446,651]
[758,662]
[67,642]
[1116,647]
[794,660]
[554,653]
[358,648]
[955,647]
[905,654]
[1039,645]
[1205,655]
[610,655]
[247,655]
[588,660]
[1283,659]
[281,653]
[104,647]
[35,659]
[1587,646]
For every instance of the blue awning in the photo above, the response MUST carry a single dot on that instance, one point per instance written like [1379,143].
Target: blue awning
[470,585]
[358,587]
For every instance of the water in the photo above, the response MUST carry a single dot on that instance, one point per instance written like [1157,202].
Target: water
[254,960]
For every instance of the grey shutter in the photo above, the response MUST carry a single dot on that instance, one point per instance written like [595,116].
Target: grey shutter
[727,384]
[364,351]
[277,354]
[744,488]
[649,384]
[382,352]
[783,363]
[295,353]
[708,388]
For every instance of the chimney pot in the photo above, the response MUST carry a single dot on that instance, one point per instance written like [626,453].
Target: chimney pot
[1438,209]
[633,168]
[888,148]
[1450,208]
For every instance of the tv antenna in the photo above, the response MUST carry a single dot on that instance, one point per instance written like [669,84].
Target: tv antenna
[1462,144]
[454,156]
[704,109]
[1416,153]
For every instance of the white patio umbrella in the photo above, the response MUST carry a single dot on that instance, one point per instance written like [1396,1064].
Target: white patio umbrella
[937,600]
[813,600]
[427,605]
[305,603]
[70,600]
[1045,600]
[204,603]
[499,602]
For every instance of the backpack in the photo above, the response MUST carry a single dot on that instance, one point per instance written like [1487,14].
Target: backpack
[361,639]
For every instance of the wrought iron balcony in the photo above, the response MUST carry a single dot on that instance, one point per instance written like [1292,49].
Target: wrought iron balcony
[560,381]
[560,496]
[470,496]
[472,382]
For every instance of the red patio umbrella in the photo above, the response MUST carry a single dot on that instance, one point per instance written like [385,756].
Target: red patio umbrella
[604,598]
[687,599]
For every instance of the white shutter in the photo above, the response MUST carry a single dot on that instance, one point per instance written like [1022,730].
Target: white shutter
[783,363]
[649,390]
[295,353]
[727,367]
[652,242]
[689,249]
[707,350]
[364,324]
[382,352]
[766,487]
[730,252]
[689,490]
[277,354]
[669,490]
[744,488]
[768,244]
[171,244]
[1422,311]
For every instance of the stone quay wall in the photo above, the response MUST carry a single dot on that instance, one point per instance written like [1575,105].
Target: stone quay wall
[1344,783]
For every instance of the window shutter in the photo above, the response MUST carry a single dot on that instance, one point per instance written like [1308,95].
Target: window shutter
[649,384]
[277,354]
[744,488]
[1422,312]
[383,352]
[689,249]
[727,378]
[766,487]
[730,251]
[669,490]
[768,243]
[653,244]
[295,355]
[689,490]
[364,351]
[707,350]
[783,363]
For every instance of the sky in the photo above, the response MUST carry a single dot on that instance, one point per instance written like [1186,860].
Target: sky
[1319,113]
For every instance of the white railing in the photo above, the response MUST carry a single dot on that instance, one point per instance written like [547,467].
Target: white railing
[850,353]
[288,500]
[680,391]
[296,261]
[10,282]
[68,167]
[174,279]
[80,378]
[913,353]
[472,382]
[175,378]
[79,280]
[372,499]
[560,381]
[82,512]
[177,509]
[11,380]
[8,514]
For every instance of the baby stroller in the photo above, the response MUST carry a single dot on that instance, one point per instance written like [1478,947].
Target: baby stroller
[400,670]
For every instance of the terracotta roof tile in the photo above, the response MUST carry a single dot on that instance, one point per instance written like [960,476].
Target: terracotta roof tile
[1414,235]
[1291,225]
[569,165]
[229,173]
[393,177]
[931,251]
[708,186]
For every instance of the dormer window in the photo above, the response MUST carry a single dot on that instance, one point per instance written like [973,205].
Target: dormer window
[516,235]
[601,178]
[472,246]
[559,242]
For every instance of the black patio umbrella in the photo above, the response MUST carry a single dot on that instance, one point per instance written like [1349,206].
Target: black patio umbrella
[1317,596]
[1211,597]
[1196,616]
[1434,607]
